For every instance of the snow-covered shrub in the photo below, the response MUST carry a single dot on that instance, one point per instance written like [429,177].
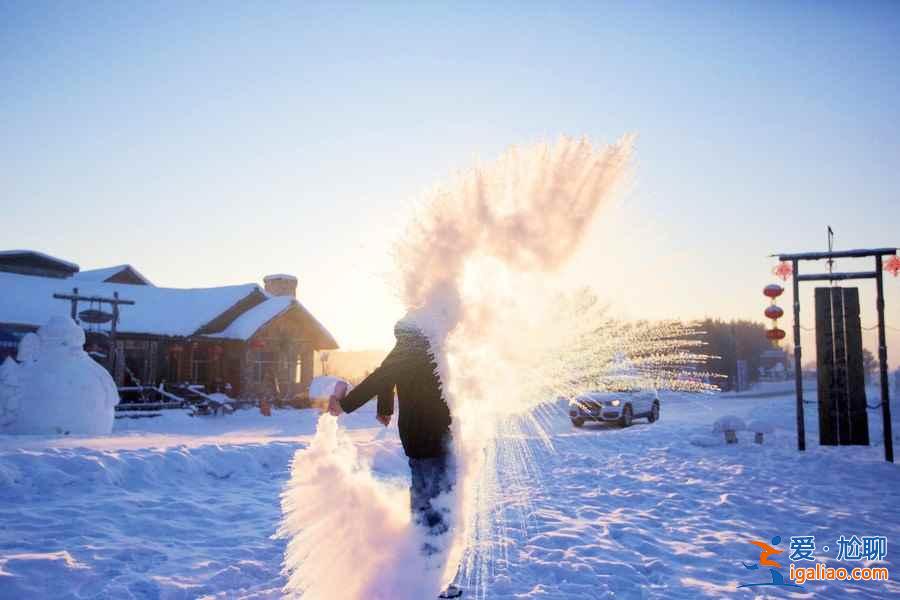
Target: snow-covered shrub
[57,388]
[760,428]
[729,425]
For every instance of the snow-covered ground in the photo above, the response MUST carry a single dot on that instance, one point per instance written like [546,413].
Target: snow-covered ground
[644,513]
[180,507]
[170,507]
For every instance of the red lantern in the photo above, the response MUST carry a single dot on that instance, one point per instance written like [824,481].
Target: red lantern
[892,265]
[783,270]
[775,334]
[257,344]
[774,311]
[773,290]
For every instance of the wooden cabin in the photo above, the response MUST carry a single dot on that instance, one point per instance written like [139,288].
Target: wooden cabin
[244,340]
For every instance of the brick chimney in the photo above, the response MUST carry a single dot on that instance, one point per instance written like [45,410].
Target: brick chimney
[281,285]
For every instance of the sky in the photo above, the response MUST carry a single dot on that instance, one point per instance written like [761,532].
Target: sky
[214,143]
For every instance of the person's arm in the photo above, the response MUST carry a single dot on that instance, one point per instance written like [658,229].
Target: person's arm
[386,401]
[379,380]
[385,406]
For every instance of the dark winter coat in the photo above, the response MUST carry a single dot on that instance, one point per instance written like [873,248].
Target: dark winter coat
[424,419]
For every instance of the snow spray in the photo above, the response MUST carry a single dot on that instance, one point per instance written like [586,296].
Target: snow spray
[475,269]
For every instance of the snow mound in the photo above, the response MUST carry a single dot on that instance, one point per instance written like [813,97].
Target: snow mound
[57,388]
[707,440]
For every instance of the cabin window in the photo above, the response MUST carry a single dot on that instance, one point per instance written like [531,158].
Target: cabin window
[200,370]
[298,371]
[263,362]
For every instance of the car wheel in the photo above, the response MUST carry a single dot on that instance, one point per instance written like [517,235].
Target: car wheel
[654,413]
[577,422]
[627,416]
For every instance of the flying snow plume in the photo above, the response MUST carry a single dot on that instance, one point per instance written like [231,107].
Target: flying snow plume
[348,533]
[476,270]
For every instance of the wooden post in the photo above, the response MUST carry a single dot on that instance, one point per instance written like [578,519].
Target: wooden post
[75,304]
[111,357]
[825,367]
[858,415]
[798,370]
[882,363]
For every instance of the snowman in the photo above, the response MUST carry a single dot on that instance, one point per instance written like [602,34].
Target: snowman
[56,388]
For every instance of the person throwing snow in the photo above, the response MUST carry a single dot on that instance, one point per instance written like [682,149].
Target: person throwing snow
[424,424]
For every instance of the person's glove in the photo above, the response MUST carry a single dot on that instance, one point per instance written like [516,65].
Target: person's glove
[334,407]
[334,402]
[384,419]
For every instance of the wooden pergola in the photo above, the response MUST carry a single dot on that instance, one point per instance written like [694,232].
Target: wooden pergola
[113,318]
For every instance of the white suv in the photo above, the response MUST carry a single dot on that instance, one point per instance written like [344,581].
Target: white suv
[621,407]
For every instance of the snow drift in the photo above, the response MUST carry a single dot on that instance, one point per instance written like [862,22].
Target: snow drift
[56,388]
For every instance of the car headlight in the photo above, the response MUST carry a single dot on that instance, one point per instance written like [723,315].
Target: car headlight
[616,402]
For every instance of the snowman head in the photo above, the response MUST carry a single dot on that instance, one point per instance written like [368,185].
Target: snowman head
[61,332]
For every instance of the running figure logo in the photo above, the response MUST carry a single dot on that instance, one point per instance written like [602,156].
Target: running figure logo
[765,552]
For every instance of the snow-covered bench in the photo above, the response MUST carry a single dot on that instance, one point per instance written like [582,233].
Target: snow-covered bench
[729,425]
[761,428]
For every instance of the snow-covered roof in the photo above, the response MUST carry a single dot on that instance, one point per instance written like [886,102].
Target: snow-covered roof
[246,325]
[250,322]
[28,300]
[70,266]
[107,272]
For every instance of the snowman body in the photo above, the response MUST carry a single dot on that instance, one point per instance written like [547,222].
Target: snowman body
[57,388]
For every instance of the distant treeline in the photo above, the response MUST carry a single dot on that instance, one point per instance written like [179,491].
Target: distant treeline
[730,341]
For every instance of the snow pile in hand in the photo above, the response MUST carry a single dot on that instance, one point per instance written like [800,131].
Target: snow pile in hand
[56,388]
[322,387]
